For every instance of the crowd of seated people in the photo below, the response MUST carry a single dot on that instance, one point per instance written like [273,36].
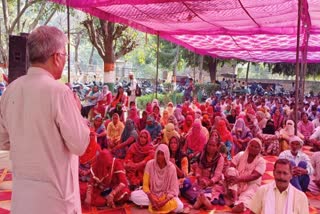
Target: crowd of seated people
[211,154]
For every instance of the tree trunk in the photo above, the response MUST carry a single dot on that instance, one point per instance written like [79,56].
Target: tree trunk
[213,69]
[175,62]
[107,29]
[201,68]
[91,56]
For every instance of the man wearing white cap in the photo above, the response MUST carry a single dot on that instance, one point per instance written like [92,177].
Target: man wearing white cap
[132,88]
[302,167]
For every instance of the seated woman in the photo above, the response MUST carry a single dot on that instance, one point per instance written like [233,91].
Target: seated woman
[286,133]
[232,117]
[170,108]
[164,118]
[160,185]
[187,125]
[117,104]
[195,141]
[305,127]
[206,122]
[137,157]
[241,135]
[225,137]
[178,158]
[250,166]
[100,130]
[168,133]
[172,119]
[142,121]
[108,183]
[133,115]
[270,139]
[104,101]
[278,119]
[156,113]
[179,116]
[209,176]
[128,137]
[91,100]
[114,131]
[153,127]
[88,158]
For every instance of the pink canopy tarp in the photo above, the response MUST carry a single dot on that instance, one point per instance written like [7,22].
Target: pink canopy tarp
[252,30]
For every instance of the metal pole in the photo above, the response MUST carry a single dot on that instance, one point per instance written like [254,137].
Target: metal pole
[194,67]
[68,25]
[247,75]
[157,73]
[297,69]
[305,63]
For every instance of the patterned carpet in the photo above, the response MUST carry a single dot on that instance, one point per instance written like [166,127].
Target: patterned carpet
[6,184]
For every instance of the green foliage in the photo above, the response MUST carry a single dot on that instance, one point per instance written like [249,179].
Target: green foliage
[164,99]
[289,69]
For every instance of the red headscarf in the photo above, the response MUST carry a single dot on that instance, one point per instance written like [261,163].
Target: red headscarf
[91,151]
[225,134]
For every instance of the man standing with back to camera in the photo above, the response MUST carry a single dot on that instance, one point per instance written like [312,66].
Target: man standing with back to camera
[41,125]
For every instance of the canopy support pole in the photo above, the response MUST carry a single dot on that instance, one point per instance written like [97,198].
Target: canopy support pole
[297,70]
[194,66]
[305,64]
[157,71]
[68,26]
[247,75]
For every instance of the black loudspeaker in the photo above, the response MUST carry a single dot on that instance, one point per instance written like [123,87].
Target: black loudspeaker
[18,56]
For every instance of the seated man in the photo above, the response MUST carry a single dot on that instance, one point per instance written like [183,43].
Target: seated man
[279,196]
[302,168]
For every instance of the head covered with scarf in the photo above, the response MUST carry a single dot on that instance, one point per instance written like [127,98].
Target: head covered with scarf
[165,180]
[168,132]
[129,131]
[197,137]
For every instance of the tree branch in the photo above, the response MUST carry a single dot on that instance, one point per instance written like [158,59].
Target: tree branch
[88,24]
[25,7]
[5,14]
[40,14]
[50,16]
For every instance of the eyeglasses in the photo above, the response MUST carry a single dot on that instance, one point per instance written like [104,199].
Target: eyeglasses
[63,54]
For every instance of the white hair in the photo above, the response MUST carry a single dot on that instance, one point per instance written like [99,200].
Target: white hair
[45,41]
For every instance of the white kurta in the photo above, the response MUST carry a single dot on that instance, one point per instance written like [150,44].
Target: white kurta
[42,126]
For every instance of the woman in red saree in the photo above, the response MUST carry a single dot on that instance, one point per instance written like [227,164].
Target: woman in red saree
[137,157]
[108,184]
[104,100]
[88,158]
[118,102]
